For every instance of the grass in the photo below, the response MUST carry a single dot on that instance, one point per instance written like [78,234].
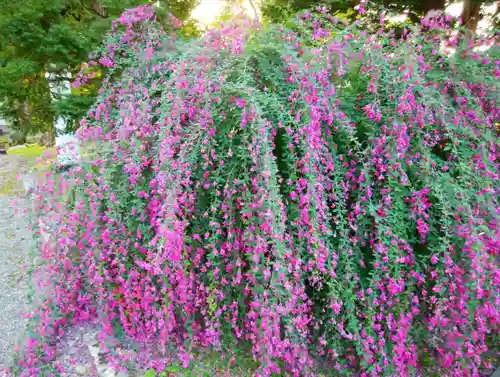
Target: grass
[37,159]
[212,364]
[8,183]
[32,151]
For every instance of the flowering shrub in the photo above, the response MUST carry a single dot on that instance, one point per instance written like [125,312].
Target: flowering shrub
[317,192]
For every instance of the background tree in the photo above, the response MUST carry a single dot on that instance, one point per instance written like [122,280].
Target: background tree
[414,8]
[40,36]
[276,10]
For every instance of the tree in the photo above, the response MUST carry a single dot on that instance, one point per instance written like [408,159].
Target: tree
[415,8]
[54,36]
[278,10]
[473,10]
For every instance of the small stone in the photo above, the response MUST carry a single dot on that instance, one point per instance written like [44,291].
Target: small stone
[81,370]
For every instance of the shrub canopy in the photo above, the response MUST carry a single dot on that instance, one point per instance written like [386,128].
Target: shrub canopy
[318,191]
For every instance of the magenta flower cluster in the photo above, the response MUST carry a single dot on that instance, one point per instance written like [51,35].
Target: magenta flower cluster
[325,194]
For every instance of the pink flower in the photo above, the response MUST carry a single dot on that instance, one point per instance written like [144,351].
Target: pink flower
[107,62]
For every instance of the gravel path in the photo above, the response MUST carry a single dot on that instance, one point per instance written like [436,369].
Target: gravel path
[73,351]
[15,241]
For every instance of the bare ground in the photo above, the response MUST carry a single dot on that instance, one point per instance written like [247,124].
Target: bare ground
[15,240]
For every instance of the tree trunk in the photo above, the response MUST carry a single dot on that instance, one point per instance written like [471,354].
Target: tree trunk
[470,15]
[51,135]
[100,9]
[428,5]
[255,12]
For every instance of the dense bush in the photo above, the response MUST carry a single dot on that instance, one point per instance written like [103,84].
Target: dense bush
[315,191]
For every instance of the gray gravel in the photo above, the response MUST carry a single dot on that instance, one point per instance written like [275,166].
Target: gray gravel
[15,241]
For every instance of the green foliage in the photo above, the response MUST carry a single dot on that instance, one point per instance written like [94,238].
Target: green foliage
[191,29]
[281,10]
[31,151]
[212,363]
[56,36]
[8,184]
[314,191]
[17,137]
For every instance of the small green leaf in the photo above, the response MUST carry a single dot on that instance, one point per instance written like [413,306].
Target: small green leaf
[172,369]
[150,373]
